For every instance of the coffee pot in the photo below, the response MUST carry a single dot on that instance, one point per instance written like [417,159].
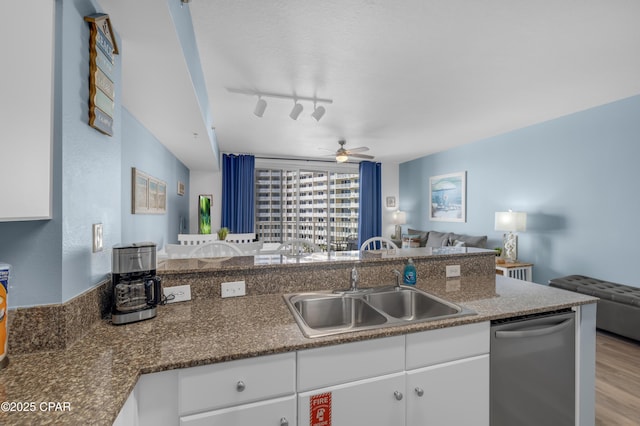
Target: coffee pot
[136,288]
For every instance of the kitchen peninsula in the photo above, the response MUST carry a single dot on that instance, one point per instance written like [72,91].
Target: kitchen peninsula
[98,373]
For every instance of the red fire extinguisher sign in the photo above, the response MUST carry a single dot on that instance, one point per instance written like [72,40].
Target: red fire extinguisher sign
[320,409]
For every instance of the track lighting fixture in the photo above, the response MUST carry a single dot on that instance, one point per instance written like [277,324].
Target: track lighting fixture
[261,105]
[318,112]
[297,109]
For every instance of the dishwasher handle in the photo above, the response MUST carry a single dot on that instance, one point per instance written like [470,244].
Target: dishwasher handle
[519,334]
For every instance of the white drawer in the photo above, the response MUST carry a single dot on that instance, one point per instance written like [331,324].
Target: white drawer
[447,344]
[236,382]
[279,411]
[347,362]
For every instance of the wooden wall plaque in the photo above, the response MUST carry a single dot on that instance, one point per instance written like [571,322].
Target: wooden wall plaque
[102,91]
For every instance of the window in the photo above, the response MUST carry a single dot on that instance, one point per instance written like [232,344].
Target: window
[317,205]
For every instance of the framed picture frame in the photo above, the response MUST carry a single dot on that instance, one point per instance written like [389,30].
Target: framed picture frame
[448,197]
[204,213]
[148,194]
[180,188]
[391,201]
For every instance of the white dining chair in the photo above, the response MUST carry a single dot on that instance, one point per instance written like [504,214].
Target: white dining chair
[196,239]
[177,251]
[378,243]
[215,249]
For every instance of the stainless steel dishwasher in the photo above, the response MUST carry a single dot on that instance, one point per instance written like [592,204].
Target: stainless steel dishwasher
[533,370]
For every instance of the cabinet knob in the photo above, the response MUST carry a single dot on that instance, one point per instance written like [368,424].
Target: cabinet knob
[419,391]
[398,395]
[284,422]
[240,386]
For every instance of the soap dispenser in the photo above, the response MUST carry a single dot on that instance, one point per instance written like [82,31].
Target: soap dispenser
[410,275]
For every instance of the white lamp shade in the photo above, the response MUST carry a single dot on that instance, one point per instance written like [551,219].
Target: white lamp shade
[400,218]
[511,221]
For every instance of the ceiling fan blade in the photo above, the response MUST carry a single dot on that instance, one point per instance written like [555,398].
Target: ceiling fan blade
[365,156]
[358,149]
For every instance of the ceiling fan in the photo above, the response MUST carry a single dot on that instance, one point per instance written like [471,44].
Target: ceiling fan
[343,154]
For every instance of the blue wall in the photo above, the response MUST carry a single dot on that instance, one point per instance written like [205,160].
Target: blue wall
[90,160]
[140,149]
[575,177]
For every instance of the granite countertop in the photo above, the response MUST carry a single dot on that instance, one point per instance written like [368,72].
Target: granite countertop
[92,379]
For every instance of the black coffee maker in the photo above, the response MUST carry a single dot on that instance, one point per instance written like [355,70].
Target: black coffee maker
[136,288]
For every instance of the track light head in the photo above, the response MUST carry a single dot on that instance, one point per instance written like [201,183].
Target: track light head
[261,105]
[318,112]
[295,112]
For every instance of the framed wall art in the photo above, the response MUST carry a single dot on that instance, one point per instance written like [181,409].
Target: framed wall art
[148,194]
[447,196]
[204,214]
[391,201]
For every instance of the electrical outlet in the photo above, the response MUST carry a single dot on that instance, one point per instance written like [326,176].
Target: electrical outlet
[453,271]
[97,237]
[179,293]
[452,285]
[233,289]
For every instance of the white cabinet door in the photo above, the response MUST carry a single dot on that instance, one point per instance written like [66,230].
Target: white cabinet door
[377,401]
[452,393]
[26,107]
[274,412]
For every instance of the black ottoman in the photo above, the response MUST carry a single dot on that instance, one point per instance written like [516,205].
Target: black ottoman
[618,307]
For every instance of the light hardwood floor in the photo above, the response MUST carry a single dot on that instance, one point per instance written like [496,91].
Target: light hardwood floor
[617,381]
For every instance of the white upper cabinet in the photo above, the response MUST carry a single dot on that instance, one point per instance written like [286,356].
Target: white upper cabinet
[26,109]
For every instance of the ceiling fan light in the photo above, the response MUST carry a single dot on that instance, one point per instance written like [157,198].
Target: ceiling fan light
[295,112]
[261,105]
[341,157]
[318,112]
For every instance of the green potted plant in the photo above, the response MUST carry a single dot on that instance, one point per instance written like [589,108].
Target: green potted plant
[222,233]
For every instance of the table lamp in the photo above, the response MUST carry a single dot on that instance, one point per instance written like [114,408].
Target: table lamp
[399,219]
[511,222]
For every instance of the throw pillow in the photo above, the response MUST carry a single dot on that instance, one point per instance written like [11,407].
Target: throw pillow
[470,241]
[438,239]
[458,243]
[423,235]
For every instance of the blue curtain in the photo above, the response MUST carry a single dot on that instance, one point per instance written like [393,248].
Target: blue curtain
[237,193]
[370,211]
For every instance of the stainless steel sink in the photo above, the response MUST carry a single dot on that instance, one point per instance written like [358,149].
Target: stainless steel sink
[410,305]
[324,313]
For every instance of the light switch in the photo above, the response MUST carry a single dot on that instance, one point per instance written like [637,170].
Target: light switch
[97,237]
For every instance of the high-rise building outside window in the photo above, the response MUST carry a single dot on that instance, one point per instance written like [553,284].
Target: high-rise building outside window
[317,205]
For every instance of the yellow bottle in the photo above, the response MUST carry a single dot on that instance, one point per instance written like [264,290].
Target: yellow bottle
[4,338]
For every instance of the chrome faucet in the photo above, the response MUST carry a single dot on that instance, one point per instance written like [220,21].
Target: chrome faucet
[354,280]
[398,274]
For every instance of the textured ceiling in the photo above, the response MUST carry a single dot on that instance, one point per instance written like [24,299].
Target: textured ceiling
[407,78]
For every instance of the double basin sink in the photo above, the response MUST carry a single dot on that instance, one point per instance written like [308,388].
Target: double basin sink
[324,314]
